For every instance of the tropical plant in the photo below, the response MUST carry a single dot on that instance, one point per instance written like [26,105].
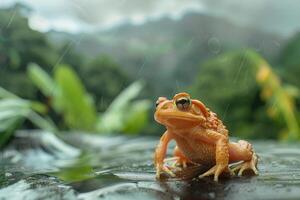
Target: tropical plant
[66,96]
[69,98]
[249,96]
[20,45]
[13,112]
[122,115]
[104,79]
[280,99]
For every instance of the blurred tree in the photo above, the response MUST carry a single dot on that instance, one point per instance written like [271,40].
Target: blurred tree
[20,45]
[104,79]
[69,56]
[289,59]
[227,85]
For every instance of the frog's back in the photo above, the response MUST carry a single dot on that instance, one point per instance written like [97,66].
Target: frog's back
[215,124]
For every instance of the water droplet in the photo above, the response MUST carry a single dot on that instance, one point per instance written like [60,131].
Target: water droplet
[214,45]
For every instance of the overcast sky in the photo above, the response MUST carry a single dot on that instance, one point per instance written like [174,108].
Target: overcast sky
[279,16]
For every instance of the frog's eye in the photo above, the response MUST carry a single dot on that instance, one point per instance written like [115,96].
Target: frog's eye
[183,103]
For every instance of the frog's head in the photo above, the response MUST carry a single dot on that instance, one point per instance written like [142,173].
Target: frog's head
[181,112]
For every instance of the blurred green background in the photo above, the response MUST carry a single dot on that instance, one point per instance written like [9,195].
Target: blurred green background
[105,79]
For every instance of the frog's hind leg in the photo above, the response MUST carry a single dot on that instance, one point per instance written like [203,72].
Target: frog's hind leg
[243,151]
[178,159]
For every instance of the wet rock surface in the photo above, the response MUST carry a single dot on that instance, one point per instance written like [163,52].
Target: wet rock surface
[37,165]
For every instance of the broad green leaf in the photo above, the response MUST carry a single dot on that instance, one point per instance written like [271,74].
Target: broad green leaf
[137,117]
[78,109]
[42,123]
[15,104]
[13,111]
[7,129]
[7,124]
[6,94]
[122,100]
[110,123]
[292,90]
[282,97]
[114,118]
[39,107]
[42,80]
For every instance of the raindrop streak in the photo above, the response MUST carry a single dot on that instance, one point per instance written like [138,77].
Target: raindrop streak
[70,44]
[246,77]
[214,45]
[81,8]
[240,67]
[142,67]
[188,44]
[11,18]
[64,53]
[225,112]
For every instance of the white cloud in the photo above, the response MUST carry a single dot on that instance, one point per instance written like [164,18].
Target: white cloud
[66,24]
[76,15]
[79,15]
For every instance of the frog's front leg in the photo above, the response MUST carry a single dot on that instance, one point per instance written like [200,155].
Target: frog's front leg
[222,153]
[160,153]
[178,159]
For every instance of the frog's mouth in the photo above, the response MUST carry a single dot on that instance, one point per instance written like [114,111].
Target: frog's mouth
[174,117]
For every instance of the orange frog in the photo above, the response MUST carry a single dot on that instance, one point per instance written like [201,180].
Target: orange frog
[201,139]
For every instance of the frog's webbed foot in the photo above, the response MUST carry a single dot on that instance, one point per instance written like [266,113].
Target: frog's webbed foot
[171,166]
[160,168]
[177,162]
[217,170]
[247,165]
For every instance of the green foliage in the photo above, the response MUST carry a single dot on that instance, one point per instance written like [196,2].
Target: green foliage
[20,45]
[13,112]
[70,99]
[6,94]
[86,100]
[42,80]
[68,95]
[104,79]
[76,105]
[289,60]
[227,85]
[137,116]
[122,113]
[281,103]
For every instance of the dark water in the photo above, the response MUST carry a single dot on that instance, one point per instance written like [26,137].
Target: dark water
[37,165]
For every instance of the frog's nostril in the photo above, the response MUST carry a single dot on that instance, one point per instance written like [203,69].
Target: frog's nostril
[166,106]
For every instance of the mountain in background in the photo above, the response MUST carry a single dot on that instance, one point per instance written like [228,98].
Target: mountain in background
[164,50]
